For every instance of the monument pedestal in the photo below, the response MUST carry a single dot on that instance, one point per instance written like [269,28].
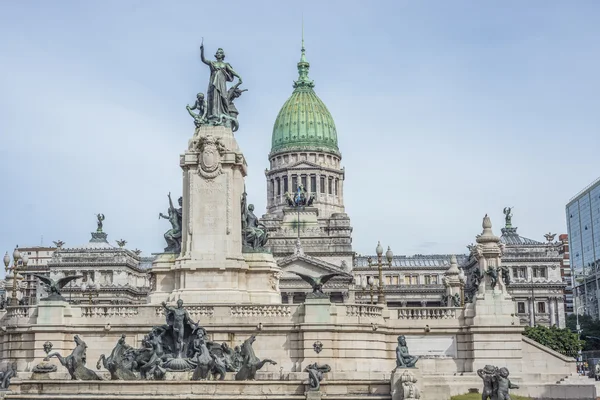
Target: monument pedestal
[406,384]
[211,267]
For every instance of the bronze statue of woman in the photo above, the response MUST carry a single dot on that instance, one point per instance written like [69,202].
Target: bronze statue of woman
[220,73]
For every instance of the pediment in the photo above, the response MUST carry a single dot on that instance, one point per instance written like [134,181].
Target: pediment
[309,266]
[304,164]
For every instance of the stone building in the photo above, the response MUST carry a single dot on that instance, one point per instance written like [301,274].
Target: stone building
[39,256]
[305,152]
[111,275]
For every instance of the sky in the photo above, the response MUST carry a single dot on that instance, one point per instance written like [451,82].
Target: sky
[445,111]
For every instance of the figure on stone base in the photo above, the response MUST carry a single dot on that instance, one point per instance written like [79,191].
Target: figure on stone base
[45,367]
[202,106]
[173,235]
[315,375]
[317,282]
[75,363]
[100,218]
[219,99]
[403,358]
[250,363]
[254,234]
[493,274]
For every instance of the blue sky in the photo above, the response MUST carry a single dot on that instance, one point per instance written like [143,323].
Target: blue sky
[445,111]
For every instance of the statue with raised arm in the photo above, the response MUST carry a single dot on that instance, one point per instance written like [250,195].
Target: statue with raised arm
[218,97]
[100,218]
[177,319]
[173,235]
[202,106]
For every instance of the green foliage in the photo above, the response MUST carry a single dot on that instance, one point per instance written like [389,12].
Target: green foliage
[563,341]
[477,396]
[589,327]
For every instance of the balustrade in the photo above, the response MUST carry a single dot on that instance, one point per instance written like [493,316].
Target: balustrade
[429,313]
[356,310]
[261,311]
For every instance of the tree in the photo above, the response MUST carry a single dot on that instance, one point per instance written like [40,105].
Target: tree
[563,341]
[589,327]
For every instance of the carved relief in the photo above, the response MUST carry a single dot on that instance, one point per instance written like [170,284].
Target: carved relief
[211,150]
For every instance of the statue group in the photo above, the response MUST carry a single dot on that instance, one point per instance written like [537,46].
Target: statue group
[179,345]
[301,198]
[496,384]
[217,107]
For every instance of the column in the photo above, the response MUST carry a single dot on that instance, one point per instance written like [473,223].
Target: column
[552,310]
[290,298]
[531,312]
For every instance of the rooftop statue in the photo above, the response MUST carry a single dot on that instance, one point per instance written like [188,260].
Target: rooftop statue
[220,108]
[75,363]
[100,218]
[250,364]
[403,359]
[59,244]
[317,282]
[55,286]
[254,233]
[301,198]
[507,217]
[173,235]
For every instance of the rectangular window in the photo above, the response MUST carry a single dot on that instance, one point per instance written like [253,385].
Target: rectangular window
[388,280]
[396,280]
[313,184]
[285,184]
[330,191]
[337,184]
[303,180]
[434,280]
[427,279]
[322,182]
[521,307]
[515,273]
[278,183]
[541,307]
[294,183]
[413,280]
[272,186]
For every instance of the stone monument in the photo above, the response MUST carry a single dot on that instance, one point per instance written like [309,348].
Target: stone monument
[221,256]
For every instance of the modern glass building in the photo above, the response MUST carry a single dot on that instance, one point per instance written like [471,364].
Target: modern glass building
[583,224]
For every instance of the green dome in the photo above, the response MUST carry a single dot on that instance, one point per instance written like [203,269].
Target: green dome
[304,123]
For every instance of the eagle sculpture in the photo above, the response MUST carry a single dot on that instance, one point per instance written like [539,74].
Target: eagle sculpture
[317,282]
[55,286]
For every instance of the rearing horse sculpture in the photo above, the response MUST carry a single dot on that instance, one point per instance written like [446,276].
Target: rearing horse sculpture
[250,363]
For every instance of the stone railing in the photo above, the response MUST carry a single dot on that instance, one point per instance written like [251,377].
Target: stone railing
[429,312]
[19,311]
[356,310]
[272,311]
[194,311]
[109,311]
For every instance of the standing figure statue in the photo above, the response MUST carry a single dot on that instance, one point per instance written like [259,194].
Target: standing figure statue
[202,106]
[507,217]
[504,384]
[218,97]
[177,319]
[173,235]
[490,382]
[254,234]
[505,275]
[100,219]
[403,359]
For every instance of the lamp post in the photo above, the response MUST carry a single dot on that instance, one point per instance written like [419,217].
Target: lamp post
[14,269]
[389,256]
[90,290]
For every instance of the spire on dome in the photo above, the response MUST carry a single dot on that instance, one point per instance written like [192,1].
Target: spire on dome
[303,67]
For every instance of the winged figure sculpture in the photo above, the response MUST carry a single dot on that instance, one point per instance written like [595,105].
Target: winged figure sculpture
[317,282]
[55,286]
